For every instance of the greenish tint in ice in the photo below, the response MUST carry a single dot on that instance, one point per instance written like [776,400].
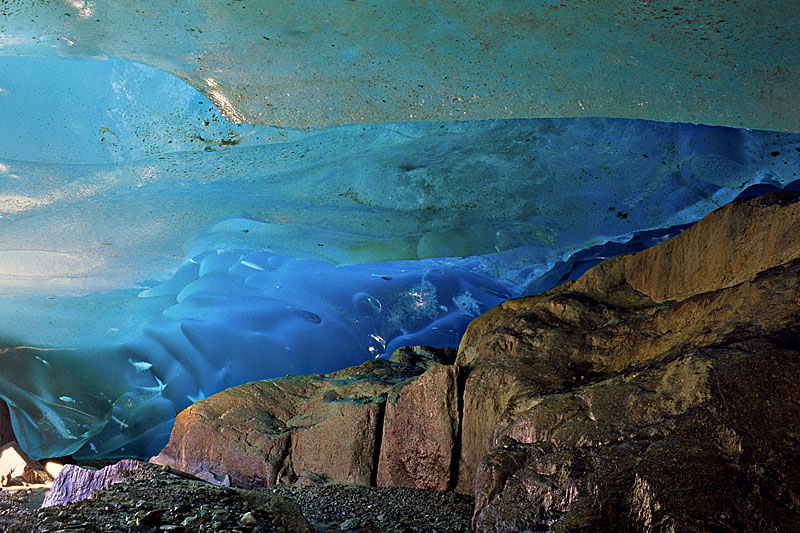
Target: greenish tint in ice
[152,253]
[321,63]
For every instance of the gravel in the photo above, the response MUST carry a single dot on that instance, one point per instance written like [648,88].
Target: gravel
[336,507]
[159,500]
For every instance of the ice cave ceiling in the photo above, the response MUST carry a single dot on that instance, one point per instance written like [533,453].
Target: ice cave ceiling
[313,64]
[195,194]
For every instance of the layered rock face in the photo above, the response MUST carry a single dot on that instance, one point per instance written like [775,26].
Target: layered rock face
[657,392]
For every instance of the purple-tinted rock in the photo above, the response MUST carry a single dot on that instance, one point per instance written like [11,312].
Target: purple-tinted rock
[75,483]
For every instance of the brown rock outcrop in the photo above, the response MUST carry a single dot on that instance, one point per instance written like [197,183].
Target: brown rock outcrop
[704,442]
[420,431]
[654,393]
[309,427]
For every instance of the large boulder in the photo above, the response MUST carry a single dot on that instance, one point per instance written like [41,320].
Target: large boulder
[311,427]
[657,392]
[704,442]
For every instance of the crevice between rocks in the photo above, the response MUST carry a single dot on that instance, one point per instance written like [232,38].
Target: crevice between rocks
[287,469]
[461,380]
[376,454]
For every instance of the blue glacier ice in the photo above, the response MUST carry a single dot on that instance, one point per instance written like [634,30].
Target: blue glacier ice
[153,253]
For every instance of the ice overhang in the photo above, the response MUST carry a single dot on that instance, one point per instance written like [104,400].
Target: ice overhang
[312,64]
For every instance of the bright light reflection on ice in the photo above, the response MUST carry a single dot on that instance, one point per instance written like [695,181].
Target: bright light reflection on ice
[153,253]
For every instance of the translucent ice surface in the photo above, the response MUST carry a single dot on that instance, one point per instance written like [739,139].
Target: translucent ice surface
[224,318]
[321,63]
[153,253]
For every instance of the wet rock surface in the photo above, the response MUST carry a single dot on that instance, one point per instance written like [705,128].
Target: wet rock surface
[157,499]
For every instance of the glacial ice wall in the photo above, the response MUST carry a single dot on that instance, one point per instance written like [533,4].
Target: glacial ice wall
[322,63]
[152,253]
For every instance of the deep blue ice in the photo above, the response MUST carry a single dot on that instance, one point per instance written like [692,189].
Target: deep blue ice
[152,254]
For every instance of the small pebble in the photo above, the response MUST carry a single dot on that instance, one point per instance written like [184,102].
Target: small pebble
[151,518]
[350,523]
[191,521]
[248,519]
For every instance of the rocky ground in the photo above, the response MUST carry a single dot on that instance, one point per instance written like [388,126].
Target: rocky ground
[160,500]
[338,506]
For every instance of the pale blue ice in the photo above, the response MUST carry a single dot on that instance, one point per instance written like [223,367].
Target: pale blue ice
[153,253]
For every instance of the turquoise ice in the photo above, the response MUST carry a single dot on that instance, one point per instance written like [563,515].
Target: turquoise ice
[153,252]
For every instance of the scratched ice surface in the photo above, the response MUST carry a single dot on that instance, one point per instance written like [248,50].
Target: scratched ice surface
[153,253]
